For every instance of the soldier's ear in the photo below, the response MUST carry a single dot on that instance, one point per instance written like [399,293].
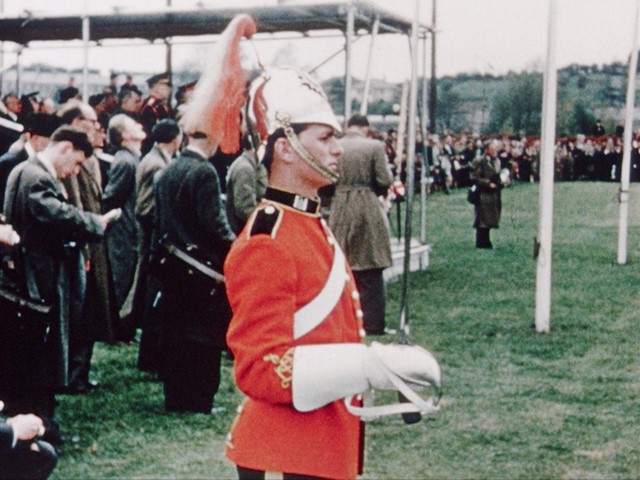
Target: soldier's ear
[283,150]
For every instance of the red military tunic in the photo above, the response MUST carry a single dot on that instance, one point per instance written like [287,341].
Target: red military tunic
[277,265]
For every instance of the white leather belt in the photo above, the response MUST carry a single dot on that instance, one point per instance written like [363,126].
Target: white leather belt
[314,312]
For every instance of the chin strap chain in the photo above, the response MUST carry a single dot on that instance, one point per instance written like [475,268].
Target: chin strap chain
[299,148]
[416,403]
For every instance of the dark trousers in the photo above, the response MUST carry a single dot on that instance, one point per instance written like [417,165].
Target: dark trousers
[483,239]
[248,474]
[191,376]
[149,354]
[22,462]
[371,287]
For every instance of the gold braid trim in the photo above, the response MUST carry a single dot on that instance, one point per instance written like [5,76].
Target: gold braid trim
[283,366]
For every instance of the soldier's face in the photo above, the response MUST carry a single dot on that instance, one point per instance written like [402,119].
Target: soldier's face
[320,141]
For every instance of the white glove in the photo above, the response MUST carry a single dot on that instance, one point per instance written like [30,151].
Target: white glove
[328,372]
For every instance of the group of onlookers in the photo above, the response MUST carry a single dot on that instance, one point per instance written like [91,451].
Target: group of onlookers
[77,203]
[580,158]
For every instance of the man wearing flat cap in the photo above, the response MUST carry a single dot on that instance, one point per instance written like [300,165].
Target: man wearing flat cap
[156,106]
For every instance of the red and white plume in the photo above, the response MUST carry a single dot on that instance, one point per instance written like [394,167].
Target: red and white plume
[216,104]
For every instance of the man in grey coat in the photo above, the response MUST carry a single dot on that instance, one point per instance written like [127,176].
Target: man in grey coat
[247,180]
[357,219]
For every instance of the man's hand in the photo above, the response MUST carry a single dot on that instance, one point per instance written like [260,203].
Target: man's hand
[26,427]
[110,216]
[8,235]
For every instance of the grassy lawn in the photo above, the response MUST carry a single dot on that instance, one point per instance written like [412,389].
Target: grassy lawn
[517,404]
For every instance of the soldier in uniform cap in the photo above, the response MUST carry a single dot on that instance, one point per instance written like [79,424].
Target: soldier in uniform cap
[156,106]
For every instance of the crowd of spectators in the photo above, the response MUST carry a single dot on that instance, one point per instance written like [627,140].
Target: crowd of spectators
[70,230]
[578,158]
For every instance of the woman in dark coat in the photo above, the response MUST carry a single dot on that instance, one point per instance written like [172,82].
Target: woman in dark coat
[485,172]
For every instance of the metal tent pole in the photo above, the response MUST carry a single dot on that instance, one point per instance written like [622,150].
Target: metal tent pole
[85,66]
[425,164]
[348,52]
[628,137]
[367,81]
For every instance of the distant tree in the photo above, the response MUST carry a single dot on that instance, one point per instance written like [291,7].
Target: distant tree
[583,118]
[574,117]
[448,108]
[517,109]
[380,107]
[334,88]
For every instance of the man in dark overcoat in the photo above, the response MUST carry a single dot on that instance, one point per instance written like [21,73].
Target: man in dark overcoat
[52,232]
[167,138]
[190,212]
[120,192]
[485,172]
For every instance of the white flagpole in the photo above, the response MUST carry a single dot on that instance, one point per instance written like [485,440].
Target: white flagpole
[545,226]
[628,136]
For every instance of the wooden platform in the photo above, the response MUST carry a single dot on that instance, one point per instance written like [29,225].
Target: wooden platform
[419,258]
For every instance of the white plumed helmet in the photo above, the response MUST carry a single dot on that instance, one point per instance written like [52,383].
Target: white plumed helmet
[284,95]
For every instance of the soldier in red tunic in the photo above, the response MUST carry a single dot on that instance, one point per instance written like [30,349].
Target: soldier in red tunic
[296,331]
[155,107]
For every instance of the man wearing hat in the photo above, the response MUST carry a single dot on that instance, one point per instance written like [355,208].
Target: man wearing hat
[156,106]
[40,126]
[167,138]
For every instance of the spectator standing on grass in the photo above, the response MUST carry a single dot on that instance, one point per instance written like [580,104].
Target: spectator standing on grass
[93,277]
[167,138]
[190,213]
[126,135]
[52,232]
[485,173]
[357,219]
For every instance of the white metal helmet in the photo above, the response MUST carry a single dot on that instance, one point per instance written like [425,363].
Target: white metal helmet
[283,96]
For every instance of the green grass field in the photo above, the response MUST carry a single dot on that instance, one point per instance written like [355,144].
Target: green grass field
[517,404]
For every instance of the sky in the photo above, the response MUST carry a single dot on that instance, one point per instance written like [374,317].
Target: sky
[473,36]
